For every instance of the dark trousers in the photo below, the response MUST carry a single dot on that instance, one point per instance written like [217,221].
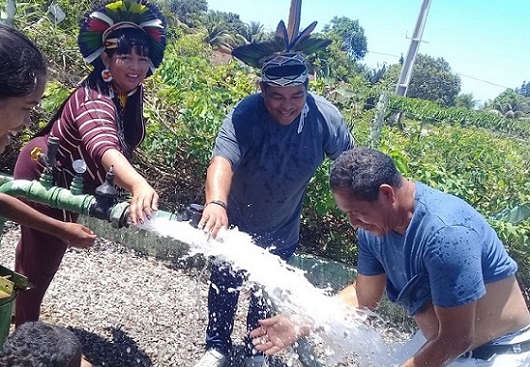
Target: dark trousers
[223,297]
[38,255]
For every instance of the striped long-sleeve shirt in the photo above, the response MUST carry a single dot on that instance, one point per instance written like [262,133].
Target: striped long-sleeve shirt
[89,126]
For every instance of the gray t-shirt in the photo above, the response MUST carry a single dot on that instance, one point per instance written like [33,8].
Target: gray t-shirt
[273,164]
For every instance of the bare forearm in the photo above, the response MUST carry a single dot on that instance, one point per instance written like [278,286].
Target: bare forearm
[13,209]
[125,175]
[454,334]
[365,292]
[218,180]
[348,295]
[436,353]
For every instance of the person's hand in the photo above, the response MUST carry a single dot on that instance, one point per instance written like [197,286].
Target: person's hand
[144,201]
[275,334]
[214,217]
[77,235]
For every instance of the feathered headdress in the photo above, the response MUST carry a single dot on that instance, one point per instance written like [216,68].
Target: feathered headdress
[104,19]
[282,59]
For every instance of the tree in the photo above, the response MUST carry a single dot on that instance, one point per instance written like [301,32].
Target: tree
[465,100]
[433,80]
[253,32]
[338,60]
[333,63]
[188,11]
[350,36]
[226,31]
[511,104]
[524,90]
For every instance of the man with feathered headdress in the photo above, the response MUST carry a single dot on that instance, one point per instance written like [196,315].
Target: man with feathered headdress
[267,150]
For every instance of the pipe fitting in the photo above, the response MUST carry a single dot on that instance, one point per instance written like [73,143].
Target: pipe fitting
[191,213]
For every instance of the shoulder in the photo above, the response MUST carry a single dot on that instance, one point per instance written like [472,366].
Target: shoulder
[325,106]
[249,105]
[92,99]
[248,112]
[445,206]
[89,94]
[446,215]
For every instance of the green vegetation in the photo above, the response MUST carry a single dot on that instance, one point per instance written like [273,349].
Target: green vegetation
[480,155]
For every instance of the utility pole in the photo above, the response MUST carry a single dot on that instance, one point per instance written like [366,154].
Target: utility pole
[11,9]
[408,64]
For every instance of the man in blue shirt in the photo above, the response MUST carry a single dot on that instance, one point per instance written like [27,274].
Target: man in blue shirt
[266,152]
[437,257]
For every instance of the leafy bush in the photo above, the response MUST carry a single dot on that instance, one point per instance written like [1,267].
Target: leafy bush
[188,101]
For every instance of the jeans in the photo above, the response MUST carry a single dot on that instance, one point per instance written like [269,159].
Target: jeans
[223,297]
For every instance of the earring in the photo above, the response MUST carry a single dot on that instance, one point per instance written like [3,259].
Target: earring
[106,76]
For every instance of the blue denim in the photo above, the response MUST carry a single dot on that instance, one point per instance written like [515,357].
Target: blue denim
[223,297]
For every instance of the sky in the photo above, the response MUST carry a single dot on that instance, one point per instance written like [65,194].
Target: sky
[485,42]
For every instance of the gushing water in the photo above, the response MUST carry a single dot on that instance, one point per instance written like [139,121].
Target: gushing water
[340,331]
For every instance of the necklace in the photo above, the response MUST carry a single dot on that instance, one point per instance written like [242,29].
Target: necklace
[123,100]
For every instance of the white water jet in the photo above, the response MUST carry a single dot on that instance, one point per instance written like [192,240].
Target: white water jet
[340,330]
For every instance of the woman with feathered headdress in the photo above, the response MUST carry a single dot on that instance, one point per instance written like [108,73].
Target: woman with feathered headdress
[100,123]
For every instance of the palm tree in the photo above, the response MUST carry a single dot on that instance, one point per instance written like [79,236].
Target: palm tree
[253,32]
[511,105]
[465,100]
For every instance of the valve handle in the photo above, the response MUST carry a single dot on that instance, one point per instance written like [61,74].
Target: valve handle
[36,153]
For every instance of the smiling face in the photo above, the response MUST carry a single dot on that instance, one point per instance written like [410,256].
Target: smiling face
[284,103]
[15,112]
[372,216]
[127,70]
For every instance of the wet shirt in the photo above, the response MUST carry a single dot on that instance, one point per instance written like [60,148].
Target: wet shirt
[273,164]
[88,127]
[447,255]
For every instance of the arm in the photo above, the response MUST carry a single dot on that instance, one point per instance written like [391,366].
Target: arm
[94,116]
[455,336]
[338,137]
[218,183]
[365,292]
[75,234]
[280,331]
[144,199]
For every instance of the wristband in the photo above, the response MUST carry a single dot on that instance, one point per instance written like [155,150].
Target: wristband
[220,203]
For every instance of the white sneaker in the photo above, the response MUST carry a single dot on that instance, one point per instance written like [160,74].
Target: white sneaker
[256,361]
[212,358]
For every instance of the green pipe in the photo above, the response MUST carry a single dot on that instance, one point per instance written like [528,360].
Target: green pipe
[62,198]
[55,197]
[5,178]
[168,215]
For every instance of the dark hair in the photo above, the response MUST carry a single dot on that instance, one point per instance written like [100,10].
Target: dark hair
[21,64]
[36,343]
[364,170]
[129,40]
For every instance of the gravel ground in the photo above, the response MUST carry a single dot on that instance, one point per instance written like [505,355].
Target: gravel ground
[129,310]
